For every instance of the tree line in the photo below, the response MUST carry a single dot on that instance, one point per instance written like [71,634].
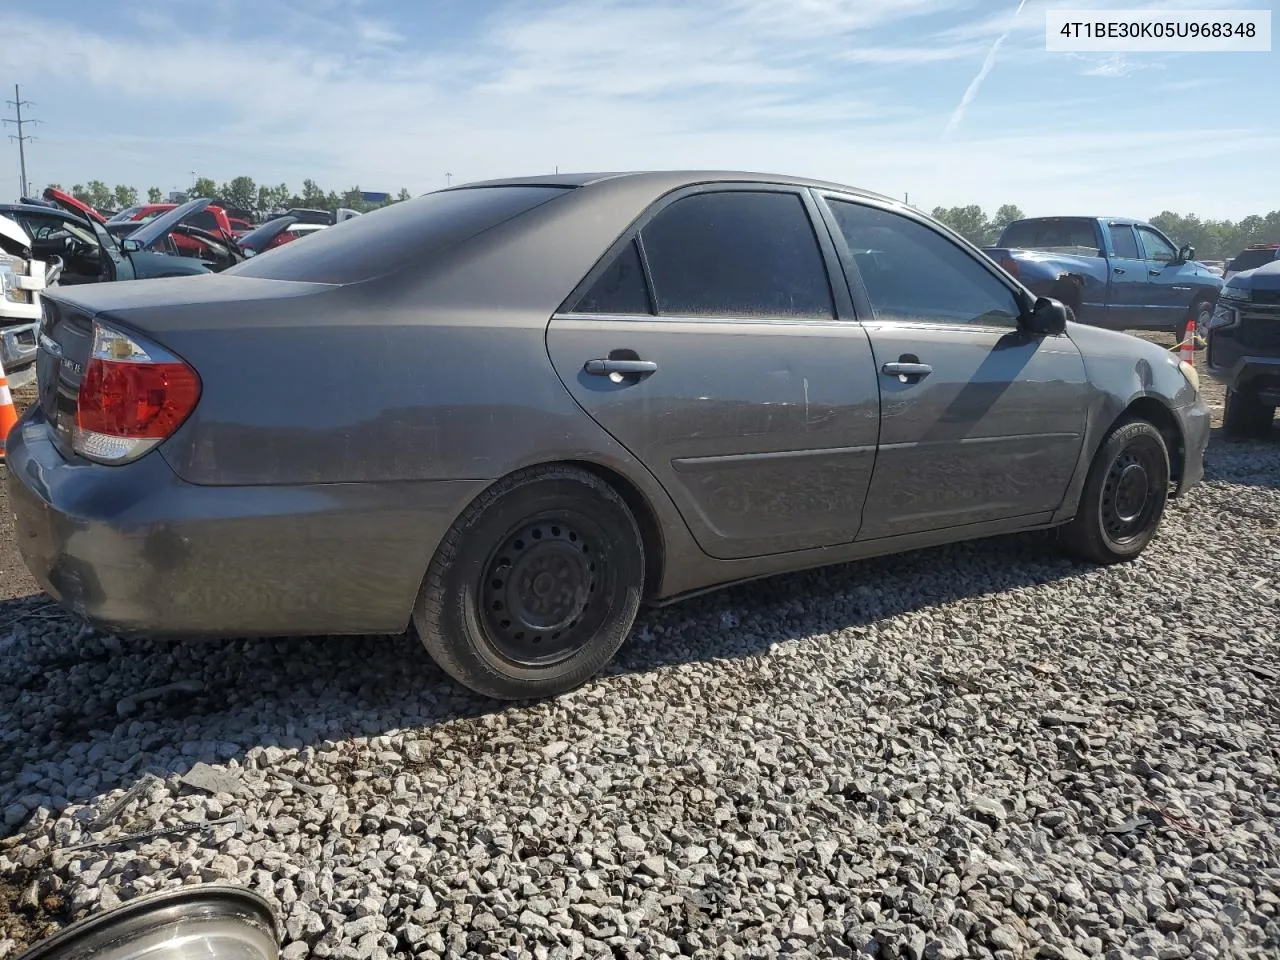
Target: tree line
[240,192]
[1212,239]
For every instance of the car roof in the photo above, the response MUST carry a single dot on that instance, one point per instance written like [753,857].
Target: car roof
[664,180]
[1085,216]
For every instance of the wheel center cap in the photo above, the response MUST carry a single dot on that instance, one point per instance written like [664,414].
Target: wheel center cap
[543,584]
[1131,492]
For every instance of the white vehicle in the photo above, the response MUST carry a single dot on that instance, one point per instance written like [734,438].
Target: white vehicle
[21,280]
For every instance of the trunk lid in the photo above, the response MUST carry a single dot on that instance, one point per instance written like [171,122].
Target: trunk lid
[69,203]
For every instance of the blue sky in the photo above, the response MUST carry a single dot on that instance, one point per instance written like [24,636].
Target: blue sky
[388,94]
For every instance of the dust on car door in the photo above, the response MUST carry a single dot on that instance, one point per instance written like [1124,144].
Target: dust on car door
[710,342]
[979,420]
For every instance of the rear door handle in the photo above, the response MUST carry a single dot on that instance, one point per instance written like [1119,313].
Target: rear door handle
[1118,270]
[626,368]
[1154,273]
[908,371]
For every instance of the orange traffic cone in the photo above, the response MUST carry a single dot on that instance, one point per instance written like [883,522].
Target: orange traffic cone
[1188,344]
[8,412]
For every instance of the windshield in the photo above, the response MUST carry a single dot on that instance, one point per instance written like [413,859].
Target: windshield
[50,228]
[1079,237]
[388,239]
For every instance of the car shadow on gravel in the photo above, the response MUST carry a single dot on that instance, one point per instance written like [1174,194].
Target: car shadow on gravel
[131,706]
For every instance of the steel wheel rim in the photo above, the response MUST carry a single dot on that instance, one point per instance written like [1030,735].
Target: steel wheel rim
[541,592]
[1129,499]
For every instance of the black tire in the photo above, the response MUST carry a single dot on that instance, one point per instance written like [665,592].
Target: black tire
[535,586]
[1245,416]
[1123,498]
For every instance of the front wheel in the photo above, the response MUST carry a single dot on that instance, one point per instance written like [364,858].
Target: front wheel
[535,586]
[1123,498]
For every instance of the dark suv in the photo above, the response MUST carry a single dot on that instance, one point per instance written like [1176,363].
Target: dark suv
[1244,349]
[1250,257]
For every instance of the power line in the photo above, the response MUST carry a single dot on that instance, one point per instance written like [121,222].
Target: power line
[22,138]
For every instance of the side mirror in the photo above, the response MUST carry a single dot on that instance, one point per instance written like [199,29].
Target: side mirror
[130,246]
[1186,253]
[1047,318]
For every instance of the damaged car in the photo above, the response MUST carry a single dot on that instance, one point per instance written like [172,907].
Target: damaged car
[21,280]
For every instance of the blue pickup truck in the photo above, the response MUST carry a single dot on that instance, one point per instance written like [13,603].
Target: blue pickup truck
[1112,272]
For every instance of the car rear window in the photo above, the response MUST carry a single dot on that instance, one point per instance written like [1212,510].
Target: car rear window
[1061,236]
[394,237]
[1250,259]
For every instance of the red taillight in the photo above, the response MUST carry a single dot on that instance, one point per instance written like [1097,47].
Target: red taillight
[1010,266]
[133,395]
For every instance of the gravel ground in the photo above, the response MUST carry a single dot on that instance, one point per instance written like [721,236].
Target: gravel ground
[976,751]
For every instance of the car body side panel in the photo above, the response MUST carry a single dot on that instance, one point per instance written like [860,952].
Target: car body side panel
[1122,369]
[763,432]
[135,547]
[992,433]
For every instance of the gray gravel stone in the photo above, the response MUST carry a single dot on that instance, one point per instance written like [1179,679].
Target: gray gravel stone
[793,768]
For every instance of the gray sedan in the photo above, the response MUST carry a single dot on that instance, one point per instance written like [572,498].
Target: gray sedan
[509,413]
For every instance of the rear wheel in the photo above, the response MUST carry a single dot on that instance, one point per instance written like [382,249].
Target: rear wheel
[1244,415]
[535,586]
[1124,496]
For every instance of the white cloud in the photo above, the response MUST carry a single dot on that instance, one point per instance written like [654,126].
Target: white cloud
[1110,65]
[971,91]
[843,90]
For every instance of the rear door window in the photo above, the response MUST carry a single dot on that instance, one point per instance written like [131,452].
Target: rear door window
[1123,244]
[747,253]
[621,289]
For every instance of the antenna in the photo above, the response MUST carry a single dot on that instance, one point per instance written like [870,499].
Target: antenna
[22,138]
[448,179]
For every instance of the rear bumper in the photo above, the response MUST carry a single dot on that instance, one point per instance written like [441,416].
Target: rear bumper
[134,549]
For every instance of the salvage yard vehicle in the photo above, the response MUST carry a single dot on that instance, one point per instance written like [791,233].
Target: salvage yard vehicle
[1254,255]
[22,279]
[90,254]
[1112,272]
[1244,349]
[581,392]
[211,218]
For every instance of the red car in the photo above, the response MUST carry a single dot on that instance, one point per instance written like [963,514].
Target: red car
[214,219]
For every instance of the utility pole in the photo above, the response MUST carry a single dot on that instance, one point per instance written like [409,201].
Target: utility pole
[448,179]
[18,103]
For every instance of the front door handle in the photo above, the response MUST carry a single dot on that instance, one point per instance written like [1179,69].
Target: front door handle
[1118,271]
[625,368]
[905,371]
[1154,273]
